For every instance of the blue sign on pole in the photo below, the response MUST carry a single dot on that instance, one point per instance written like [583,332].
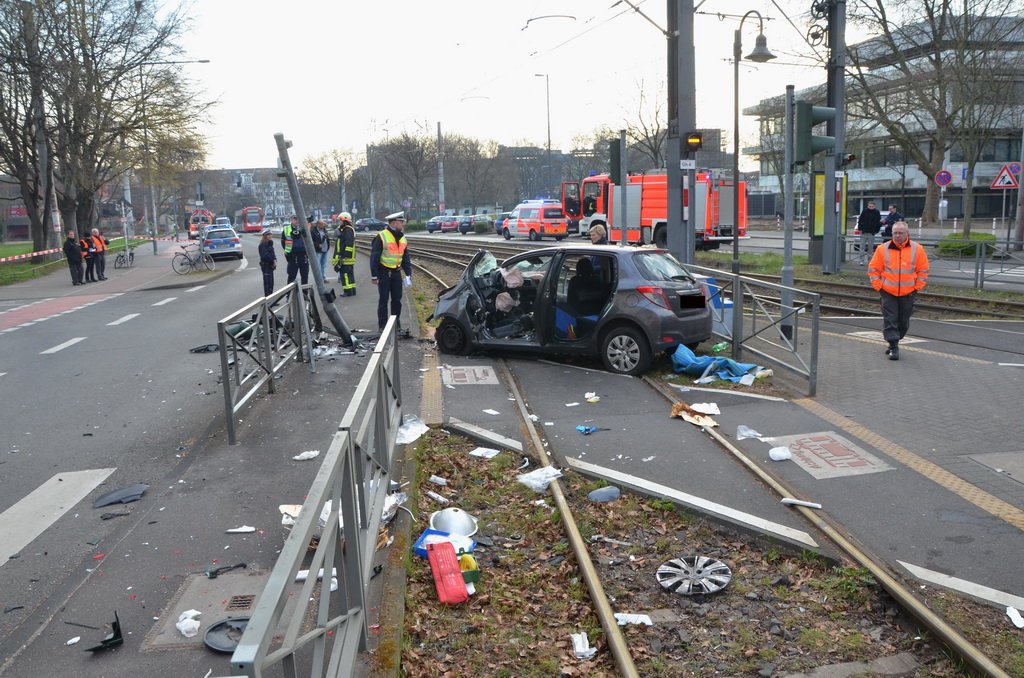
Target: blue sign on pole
[1014,168]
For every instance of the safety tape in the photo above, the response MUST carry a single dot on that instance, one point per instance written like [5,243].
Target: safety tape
[16,257]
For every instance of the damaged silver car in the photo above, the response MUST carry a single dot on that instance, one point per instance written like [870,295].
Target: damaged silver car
[622,304]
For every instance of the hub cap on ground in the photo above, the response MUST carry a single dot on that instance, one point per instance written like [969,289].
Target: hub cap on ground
[694,575]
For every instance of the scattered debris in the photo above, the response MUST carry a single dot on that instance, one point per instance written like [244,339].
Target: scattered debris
[438,480]
[377,569]
[125,495]
[451,587]
[84,626]
[626,618]
[224,635]
[744,431]
[694,575]
[779,454]
[1015,617]
[525,464]
[412,428]
[706,408]
[687,413]
[303,575]
[12,608]
[432,536]
[307,455]
[217,571]
[72,641]
[485,452]
[454,521]
[650,458]
[587,430]
[603,494]
[789,501]
[572,404]
[539,478]
[491,412]
[591,397]
[205,348]
[188,623]
[108,516]
[581,646]
[437,497]
[112,639]
[244,529]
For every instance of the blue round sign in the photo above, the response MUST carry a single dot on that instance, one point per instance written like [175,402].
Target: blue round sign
[1014,168]
[943,177]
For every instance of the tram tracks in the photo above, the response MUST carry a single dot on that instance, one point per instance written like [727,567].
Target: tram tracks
[442,263]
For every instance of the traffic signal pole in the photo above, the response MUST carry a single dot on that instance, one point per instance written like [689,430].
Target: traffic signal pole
[682,118]
[834,166]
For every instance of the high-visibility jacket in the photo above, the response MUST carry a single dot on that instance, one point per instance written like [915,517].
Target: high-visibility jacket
[100,242]
[898,269]
[393,250]
[89,248]
[345,246]
[292,238]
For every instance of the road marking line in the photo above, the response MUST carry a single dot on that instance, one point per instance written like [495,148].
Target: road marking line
[2,374]
[1010,364]
[964,586]
[926,351]
[165,301]
[30,517]
[975,495]
[123,319]
[196,288]
[720,510]
[61,347]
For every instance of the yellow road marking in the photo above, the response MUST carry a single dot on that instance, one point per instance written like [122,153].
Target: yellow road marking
[975,495]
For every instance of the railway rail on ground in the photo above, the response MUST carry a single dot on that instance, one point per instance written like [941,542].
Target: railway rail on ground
[442,262]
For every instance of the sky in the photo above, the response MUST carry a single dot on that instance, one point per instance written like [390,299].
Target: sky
[344,74]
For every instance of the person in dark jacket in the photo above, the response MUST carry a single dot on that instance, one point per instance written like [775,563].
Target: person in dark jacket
[73,253]
[101,244]
[345,255]
[889,220]
[598,236]
[869,223]
[90,252]
[268,262]
[388,261]
[321,245]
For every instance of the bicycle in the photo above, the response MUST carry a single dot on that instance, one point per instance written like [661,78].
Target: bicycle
[189,260]
[125,260]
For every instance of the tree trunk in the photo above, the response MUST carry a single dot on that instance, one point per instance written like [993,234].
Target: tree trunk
[932,194]
[968,200]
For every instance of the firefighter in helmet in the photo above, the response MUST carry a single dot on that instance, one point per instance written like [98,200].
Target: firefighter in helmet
[344,260]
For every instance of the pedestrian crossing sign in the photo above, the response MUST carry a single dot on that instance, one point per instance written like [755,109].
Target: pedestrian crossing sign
[1005,179]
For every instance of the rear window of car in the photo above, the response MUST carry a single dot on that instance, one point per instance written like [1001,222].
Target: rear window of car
[553,213]
[218,234]
[660,266]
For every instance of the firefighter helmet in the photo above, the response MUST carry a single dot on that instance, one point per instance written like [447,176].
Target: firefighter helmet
[345,216]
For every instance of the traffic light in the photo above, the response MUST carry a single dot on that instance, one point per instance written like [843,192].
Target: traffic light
[805,142]
[615,160]
[694,142]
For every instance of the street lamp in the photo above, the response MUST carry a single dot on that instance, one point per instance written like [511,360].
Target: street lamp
[145,137]
[547,97]
[759,55]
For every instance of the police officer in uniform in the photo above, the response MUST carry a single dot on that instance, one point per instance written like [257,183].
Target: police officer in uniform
[344,260]
[295,250]
[388,262]
[268,262]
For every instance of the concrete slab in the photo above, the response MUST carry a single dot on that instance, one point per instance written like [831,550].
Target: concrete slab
[1009,463]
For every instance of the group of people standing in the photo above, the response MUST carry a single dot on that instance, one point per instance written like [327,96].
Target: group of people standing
[90,250]
[897,270]
[390,268]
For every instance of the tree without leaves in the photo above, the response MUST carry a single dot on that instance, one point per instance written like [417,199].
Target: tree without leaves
[934,78]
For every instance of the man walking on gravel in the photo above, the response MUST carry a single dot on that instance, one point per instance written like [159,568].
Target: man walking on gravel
[898,269]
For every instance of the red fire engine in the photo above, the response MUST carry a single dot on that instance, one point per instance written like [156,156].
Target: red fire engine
[200,219]
[709,208]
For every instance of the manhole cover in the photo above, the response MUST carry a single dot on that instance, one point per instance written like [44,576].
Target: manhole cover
[694,575]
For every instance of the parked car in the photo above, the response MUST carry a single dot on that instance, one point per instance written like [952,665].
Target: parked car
[621,304]
[222,241]
[499,222]
[466,224]
[450,223]
[434,223]
[370,225]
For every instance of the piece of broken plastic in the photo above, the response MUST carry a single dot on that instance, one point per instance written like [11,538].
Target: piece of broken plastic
[789,501]
[780,454]
[307,455]
[244,529]
[125,495]
[412,428]
[606,493]
[581,646]
[706,408]
[624,618]
[1015,617]
[485,452]
[744,431]
[539,478]
[225,634]
[112,639]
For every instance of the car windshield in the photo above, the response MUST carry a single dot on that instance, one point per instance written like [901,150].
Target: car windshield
[486,264]
[660,266]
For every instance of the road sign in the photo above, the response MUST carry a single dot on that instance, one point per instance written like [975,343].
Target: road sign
[943,177]
[1014,168]
[1005,179]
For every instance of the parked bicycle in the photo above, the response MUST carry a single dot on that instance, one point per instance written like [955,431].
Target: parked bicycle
[191,258]
[125,259]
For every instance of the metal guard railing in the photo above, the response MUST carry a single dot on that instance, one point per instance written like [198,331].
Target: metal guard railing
[777,324]
[323,635]
[256,342]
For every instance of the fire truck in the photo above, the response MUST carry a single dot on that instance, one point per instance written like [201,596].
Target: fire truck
[708,207]
[200,219]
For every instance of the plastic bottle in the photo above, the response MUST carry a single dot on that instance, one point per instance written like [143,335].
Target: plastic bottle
[720,346]
[603,494]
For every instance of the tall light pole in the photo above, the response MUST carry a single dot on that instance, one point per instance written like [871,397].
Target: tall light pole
[547,97]
[145,137]
[759,55]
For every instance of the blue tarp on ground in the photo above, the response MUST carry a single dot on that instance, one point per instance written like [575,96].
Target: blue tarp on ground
[686,361]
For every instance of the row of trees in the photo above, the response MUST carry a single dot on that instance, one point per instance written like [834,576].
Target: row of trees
[86,93]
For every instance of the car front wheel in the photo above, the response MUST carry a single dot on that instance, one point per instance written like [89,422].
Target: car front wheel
[534,235]
[451,338]
[624,350]
[505,234]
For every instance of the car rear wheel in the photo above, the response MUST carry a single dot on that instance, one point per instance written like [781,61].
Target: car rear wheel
[451,338]
[505,234]
[625,350]
[535,236]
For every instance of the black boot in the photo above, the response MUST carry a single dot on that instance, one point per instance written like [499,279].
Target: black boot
[894,352]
